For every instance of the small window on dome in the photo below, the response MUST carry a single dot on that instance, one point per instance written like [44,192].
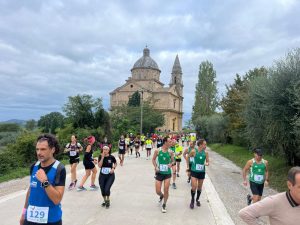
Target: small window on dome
[131,86]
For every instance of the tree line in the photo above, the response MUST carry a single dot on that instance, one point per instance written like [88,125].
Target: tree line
[260,109]
[83,116]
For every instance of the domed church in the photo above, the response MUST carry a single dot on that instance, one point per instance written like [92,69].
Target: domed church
[144,78]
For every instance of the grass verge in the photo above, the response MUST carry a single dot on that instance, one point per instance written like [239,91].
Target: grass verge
[240,155]
[21,172]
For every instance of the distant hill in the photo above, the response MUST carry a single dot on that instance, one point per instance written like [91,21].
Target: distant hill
[20,122]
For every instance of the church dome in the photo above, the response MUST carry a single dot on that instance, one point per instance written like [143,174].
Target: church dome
[145,62]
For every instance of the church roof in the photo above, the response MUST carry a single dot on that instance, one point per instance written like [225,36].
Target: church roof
[145,62]
[176,67]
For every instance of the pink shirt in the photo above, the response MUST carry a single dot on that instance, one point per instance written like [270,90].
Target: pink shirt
[281,209]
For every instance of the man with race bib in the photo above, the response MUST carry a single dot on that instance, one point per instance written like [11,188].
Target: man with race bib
[47,185]
[162,161]
[258,176]
[200,160]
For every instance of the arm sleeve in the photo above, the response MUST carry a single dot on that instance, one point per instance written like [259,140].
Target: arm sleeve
[114,159]
[60,178]
[250,213]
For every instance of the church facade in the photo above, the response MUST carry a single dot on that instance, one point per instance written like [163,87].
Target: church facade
[145,78]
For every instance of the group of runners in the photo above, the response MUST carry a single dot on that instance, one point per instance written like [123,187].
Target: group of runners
[42,204]
[166,160]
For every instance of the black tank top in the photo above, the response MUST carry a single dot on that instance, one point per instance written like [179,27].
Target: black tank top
[88,156]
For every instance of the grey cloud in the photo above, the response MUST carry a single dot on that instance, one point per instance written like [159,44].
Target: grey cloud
[50,50]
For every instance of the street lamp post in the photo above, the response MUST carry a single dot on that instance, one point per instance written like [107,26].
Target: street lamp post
[141,103]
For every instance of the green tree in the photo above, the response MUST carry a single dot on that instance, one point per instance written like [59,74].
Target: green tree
[81,110]
[50,122]
[273,109]
[125,119]
[30,125]
[9,127]
[206,92]
[233,104]
[135,99]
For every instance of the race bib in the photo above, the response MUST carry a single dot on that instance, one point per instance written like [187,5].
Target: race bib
[121,147]
[163,167]
[199,167]
[105,170]
[73,153]
[37,214]
[148,146]
[258,178]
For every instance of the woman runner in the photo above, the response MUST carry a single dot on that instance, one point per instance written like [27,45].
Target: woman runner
[107,164]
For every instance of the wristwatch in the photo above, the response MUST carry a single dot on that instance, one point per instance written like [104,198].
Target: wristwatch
[45,184]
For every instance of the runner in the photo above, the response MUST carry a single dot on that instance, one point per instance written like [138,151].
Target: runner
[159,141]
[178,154]
[162,167]
[200,160]
[47,185]
[182,139]
[258,177]
[122,149]
[89,165]
[149,146]
[137,144]
[127,140]
[131,143]
[105,142]
[188,159]
[173,148]
[107,164]
[143,138]
[73,149]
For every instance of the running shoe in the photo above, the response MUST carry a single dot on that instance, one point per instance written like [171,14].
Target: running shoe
[198,203]
[249,199]
[174,186]
[81,189]
[192,205]
[75,182]
[160,198]
[71,186]
[103,204]
[93,187]
[107,204]
[177,174]
[164,208]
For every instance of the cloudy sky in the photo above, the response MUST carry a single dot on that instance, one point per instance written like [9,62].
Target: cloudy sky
[53,49]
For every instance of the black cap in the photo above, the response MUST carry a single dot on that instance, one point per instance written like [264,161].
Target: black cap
[258,151]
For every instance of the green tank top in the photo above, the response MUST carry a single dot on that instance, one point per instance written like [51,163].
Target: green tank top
[198,165]
[258,172]
[172,148]
[164,159]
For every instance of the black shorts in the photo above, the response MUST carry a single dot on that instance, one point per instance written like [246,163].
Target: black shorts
[162,177]
[148,149]
[88,165]
[178,160]
[200,175]
[73,160]
[257,189]
[142,143]
[121,151]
